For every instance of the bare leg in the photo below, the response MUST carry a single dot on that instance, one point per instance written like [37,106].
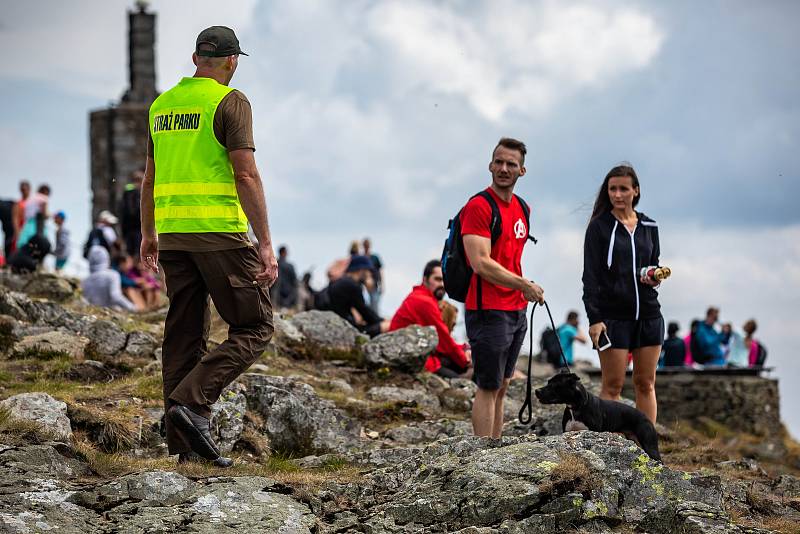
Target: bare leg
[645,361]
[483,408]
[135,296]
[613,364]
[497,426]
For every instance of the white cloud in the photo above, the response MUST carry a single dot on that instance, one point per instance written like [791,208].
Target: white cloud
[82,47]
[514,55]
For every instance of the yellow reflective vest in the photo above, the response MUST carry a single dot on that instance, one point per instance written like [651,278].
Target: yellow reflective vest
[195,191]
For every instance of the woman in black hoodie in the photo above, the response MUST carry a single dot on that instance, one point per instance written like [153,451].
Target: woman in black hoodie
[619,242]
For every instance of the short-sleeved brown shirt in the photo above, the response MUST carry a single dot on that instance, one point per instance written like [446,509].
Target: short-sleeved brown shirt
[233,128]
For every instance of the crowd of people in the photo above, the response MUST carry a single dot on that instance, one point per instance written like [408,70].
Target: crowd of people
[703,346]
[117,278]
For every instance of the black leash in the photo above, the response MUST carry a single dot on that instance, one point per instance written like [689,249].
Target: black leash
[528,401]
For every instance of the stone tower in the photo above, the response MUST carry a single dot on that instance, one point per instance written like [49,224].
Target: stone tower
[118,134]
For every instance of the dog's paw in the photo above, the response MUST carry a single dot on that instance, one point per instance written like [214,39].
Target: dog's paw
[574,426]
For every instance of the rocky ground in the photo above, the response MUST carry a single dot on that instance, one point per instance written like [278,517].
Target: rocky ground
[333,432]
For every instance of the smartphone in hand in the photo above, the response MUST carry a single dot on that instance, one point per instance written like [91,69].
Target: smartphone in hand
[604,342]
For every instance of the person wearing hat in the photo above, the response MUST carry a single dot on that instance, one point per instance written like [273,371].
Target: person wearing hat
[200,190]
[62,240]
[346,297]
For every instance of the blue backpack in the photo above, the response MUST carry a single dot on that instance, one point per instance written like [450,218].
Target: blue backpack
[457,273]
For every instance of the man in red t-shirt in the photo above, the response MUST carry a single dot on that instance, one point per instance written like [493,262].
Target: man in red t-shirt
[421,307]
[496,325]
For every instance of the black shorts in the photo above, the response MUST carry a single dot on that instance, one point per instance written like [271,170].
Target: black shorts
[633,334]
[496,338]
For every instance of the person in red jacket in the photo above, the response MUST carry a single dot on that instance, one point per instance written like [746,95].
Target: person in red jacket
[421,307]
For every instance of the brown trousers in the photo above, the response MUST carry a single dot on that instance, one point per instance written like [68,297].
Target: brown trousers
[193,375]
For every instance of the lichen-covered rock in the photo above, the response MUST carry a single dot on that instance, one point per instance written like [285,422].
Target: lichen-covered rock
[151,488]
[405,350]
[140,345]
[50,286]
[422,399]
[51,344]
[427,431]
[296,420]
[519,484]
[328,335]
[227,417]
[40,408]
[107,338]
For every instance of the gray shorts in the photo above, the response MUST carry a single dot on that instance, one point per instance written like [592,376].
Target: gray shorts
[495,338]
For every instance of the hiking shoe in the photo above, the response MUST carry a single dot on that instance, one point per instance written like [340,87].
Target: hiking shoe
[186,457]
[197,430]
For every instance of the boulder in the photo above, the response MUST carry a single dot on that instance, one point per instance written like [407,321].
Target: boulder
[50,286]
[458,398]
[287,340]
[50,345]
[151,488]
[405,350]
[227,417]
[141,345]
[107,338]
[422,399]
[328,334]
[40,408]
[15,304]
[241,504]
[89,371]
[529,484]
[296,420]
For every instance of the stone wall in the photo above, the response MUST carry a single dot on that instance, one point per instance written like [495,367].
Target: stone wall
[745,403]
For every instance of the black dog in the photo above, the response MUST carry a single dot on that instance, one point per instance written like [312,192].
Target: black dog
[597,414]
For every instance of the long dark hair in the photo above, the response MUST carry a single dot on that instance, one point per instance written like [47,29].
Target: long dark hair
[603,203]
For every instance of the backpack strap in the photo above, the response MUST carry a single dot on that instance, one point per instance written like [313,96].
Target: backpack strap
[527,211]
[495,229]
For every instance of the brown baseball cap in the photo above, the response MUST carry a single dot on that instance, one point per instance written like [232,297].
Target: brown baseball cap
[222,40]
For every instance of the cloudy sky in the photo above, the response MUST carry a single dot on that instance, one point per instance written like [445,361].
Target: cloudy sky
[377,118]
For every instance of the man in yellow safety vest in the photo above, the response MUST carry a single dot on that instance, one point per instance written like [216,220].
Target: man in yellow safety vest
[201,188]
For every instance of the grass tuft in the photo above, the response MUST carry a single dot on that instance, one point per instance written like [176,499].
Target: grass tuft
[22,431]
[572,474]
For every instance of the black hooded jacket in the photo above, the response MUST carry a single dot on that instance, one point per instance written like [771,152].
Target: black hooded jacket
[611,286]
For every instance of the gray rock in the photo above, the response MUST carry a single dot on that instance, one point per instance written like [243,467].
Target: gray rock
[788,486]
[50,286]
[15,304]
[459,397]
[151,488]
[107,338]
[422,399]
[141,345]
[427,431]
[49,344]
[89,371]
[296,420]
[287,340]
[40,408]
[405,350]
[524,485]
[328,334]
[227,417]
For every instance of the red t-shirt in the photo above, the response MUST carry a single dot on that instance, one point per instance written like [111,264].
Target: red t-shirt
[421,308]
[476,219]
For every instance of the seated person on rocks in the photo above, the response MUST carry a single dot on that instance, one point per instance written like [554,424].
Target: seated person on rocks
[103,287]
[130,287]
[346,298]
[421,307]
